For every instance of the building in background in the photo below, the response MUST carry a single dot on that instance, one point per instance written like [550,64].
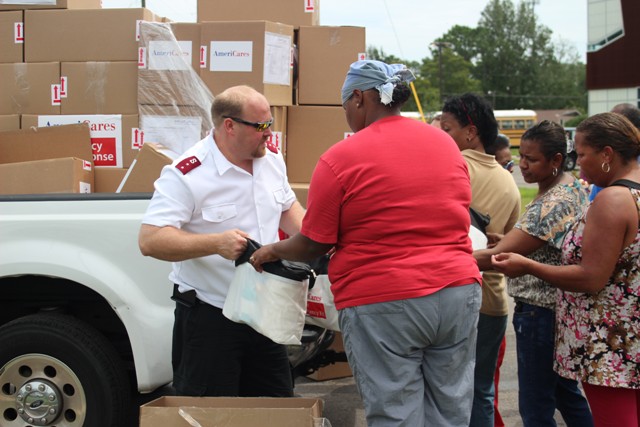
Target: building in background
[613,63]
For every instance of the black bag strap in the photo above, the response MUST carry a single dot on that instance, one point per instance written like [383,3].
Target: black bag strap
[627,183]
[289,269]
[479,220]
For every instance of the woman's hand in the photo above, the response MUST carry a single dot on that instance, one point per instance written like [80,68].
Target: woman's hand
[262,255]
[510,264]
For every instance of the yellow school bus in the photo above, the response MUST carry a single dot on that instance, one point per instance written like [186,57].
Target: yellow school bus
[514,123]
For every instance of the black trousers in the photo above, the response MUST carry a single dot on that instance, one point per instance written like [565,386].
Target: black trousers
[213,356]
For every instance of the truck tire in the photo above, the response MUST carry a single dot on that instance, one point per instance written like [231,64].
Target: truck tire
[58,370]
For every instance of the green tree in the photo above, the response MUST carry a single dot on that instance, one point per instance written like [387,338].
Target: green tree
[457,72]
[422,87]
[509,57]
[513,51]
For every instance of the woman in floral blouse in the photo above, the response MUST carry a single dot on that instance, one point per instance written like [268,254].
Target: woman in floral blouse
[598,312]
[539,234]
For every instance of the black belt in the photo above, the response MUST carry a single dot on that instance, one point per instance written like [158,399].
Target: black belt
[188,298]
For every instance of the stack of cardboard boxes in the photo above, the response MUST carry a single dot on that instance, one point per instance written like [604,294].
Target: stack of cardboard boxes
[135,78]
[311,108]
[73,62]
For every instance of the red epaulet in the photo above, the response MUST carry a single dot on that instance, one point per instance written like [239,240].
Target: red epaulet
[272,147]
[188,164]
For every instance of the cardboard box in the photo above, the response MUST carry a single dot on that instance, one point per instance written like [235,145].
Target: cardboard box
[324,57]
[99,87]
[107,180]
[188,35]
[84,34]
[335,370]
[254,53]
[304,145]
[302,193]
[170,71]
[59,4]
[30,88]
[231,412]
[279,128]
[9,122]
[11,36]
[146,169]
[115,139]
[46,143]
[290,12]
[176,127]
[64,175]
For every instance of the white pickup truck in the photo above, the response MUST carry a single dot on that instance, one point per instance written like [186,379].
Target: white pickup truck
[85,319]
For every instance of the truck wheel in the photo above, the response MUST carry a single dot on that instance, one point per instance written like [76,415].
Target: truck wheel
[58,371]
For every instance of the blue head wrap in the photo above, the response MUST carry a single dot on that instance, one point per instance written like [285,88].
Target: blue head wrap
[369,74]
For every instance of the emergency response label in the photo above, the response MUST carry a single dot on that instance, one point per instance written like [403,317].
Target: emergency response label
[105,131]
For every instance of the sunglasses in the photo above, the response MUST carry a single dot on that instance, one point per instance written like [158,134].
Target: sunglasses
[258,126]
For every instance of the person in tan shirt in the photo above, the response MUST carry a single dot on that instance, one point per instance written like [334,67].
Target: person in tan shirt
[470,121]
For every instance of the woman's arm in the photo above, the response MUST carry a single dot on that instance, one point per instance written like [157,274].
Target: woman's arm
[611,225]
[295,248]
[515,240]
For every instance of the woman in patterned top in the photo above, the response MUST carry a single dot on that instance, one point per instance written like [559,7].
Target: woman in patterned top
[538,235]
[598,312]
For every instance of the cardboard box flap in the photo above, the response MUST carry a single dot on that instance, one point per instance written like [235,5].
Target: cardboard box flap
[181,411]
[146,168]
[247,417]
[46,143]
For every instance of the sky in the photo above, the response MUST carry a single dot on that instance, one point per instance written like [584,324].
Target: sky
[405,28]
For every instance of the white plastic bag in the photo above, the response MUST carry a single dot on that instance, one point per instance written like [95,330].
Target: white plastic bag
[321,310]
[272,305]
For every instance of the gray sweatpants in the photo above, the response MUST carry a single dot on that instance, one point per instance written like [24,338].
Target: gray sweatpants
[413,360]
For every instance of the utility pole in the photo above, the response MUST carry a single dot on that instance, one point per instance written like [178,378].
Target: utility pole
[440,45]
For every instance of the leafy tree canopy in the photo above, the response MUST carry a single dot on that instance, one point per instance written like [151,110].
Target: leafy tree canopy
[509,57]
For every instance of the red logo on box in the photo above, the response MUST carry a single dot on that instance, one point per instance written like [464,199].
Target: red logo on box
[104,151]
[309,6]
[18,32]
[142,57]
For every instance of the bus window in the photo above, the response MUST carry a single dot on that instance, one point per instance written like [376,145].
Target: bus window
[513,123]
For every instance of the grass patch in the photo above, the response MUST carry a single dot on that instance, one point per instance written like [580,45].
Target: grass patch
[526,195]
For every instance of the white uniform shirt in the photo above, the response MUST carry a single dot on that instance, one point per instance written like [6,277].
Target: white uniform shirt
[213,196]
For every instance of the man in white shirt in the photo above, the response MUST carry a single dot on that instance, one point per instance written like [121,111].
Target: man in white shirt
[230,186]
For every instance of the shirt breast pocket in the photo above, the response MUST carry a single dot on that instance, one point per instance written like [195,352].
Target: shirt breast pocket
[279,196]
[220,213]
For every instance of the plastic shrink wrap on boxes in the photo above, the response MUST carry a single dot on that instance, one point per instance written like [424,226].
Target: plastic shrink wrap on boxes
[173,103]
